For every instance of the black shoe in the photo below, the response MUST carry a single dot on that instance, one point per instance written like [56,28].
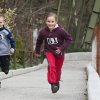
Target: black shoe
[58,85]
[6,72]
[54,88]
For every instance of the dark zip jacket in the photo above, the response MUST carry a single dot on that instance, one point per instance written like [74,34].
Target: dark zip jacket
[57,38]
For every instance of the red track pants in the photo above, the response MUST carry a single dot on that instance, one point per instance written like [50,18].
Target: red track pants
[54,67]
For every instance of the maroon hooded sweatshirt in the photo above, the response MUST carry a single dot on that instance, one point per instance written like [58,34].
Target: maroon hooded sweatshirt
[57,38]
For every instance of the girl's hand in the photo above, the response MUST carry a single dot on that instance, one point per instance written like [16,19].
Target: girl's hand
[58,51]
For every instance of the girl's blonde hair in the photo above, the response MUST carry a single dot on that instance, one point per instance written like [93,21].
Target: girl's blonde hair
[51,14]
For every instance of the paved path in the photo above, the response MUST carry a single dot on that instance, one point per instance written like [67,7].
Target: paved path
[34,86]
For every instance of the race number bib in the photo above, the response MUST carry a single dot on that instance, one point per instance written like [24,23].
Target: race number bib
[52,41]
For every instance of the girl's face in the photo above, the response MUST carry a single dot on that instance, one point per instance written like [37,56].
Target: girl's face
[1,22]
[51,22]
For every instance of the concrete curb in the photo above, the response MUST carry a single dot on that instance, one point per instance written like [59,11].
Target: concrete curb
[78,56]
[93,84]
[22,71]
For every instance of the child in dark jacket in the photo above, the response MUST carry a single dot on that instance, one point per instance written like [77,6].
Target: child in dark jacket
[7,46]
[56,40]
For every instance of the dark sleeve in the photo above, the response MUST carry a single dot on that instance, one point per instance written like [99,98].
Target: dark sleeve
[12,42]
[39,43]
[67,40]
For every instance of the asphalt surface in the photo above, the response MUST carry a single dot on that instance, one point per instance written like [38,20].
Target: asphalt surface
[34,85]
